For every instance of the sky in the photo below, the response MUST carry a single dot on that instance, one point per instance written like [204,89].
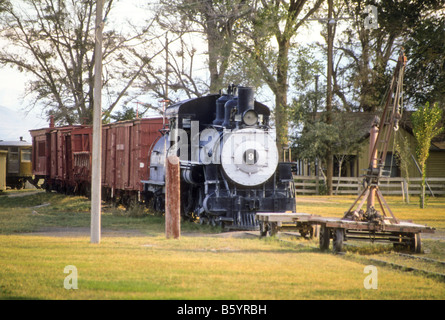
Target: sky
[15,118]
[15,122]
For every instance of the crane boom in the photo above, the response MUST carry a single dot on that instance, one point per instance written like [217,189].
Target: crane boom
[379,141]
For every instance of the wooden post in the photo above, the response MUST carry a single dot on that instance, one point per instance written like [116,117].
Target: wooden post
[372,159]
[402,183]
[406,186]
[172,198]
[96,184]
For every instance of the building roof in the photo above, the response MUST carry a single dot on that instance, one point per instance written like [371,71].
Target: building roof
[21,143]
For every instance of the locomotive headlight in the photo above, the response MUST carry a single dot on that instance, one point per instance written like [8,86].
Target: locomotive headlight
[250,117]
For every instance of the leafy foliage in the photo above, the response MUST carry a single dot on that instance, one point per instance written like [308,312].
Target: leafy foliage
[425,128]
[425,71]
[53,42]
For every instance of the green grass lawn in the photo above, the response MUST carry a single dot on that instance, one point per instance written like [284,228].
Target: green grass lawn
[202,264]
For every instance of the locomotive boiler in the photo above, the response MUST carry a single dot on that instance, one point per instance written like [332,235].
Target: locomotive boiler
[229,162]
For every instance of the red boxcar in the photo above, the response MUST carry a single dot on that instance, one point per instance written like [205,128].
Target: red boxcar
[79,163]
[125,153]
[62,156]
[40,165]
[51,156]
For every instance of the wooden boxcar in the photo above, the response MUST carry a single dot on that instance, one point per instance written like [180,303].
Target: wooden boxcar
[125,152]
[62,157]
[52,157]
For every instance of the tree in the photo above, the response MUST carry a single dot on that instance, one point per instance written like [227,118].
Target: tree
[341,138]
[425,71]
[366,54]
[425,127]
[268,40]
[216,21]
[53,41]
[349,140]
[127,113]
[315,141]
[403,156]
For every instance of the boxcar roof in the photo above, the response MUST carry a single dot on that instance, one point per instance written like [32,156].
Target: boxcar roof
[22,143]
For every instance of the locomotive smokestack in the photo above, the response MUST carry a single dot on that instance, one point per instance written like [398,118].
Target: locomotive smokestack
[220,103]
[245,99]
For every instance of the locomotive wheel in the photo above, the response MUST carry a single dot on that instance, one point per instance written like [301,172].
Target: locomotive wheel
[339,235]
[325,234]
[203,220]
[159,203]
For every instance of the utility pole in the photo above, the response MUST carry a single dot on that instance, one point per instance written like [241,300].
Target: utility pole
[330,156]
[166,66]
[96,197]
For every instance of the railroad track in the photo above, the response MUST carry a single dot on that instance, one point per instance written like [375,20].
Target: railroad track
[397,266]
[420,258]
[437,275]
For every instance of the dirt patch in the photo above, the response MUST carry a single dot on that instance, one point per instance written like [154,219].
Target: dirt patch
[314,199]
[437,235]
[22,194]
[83,232]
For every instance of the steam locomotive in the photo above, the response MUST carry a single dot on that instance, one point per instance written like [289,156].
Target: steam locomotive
[229,162]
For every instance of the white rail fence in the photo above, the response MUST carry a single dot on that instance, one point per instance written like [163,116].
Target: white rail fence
[388,186]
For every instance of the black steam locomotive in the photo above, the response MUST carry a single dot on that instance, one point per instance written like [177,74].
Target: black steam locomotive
[228,157]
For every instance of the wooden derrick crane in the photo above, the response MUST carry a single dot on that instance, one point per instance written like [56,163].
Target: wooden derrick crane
[380,135]
[358,224]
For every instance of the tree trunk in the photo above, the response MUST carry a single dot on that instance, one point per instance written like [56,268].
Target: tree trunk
[281,122]
[422,196]
[422,192]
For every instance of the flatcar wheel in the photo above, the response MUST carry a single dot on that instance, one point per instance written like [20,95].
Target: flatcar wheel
[315,231]
[339,235]
[416,243]
[263,229]
[324,237]
[272,229]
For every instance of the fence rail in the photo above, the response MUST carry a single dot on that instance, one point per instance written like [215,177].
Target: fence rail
[388,186]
